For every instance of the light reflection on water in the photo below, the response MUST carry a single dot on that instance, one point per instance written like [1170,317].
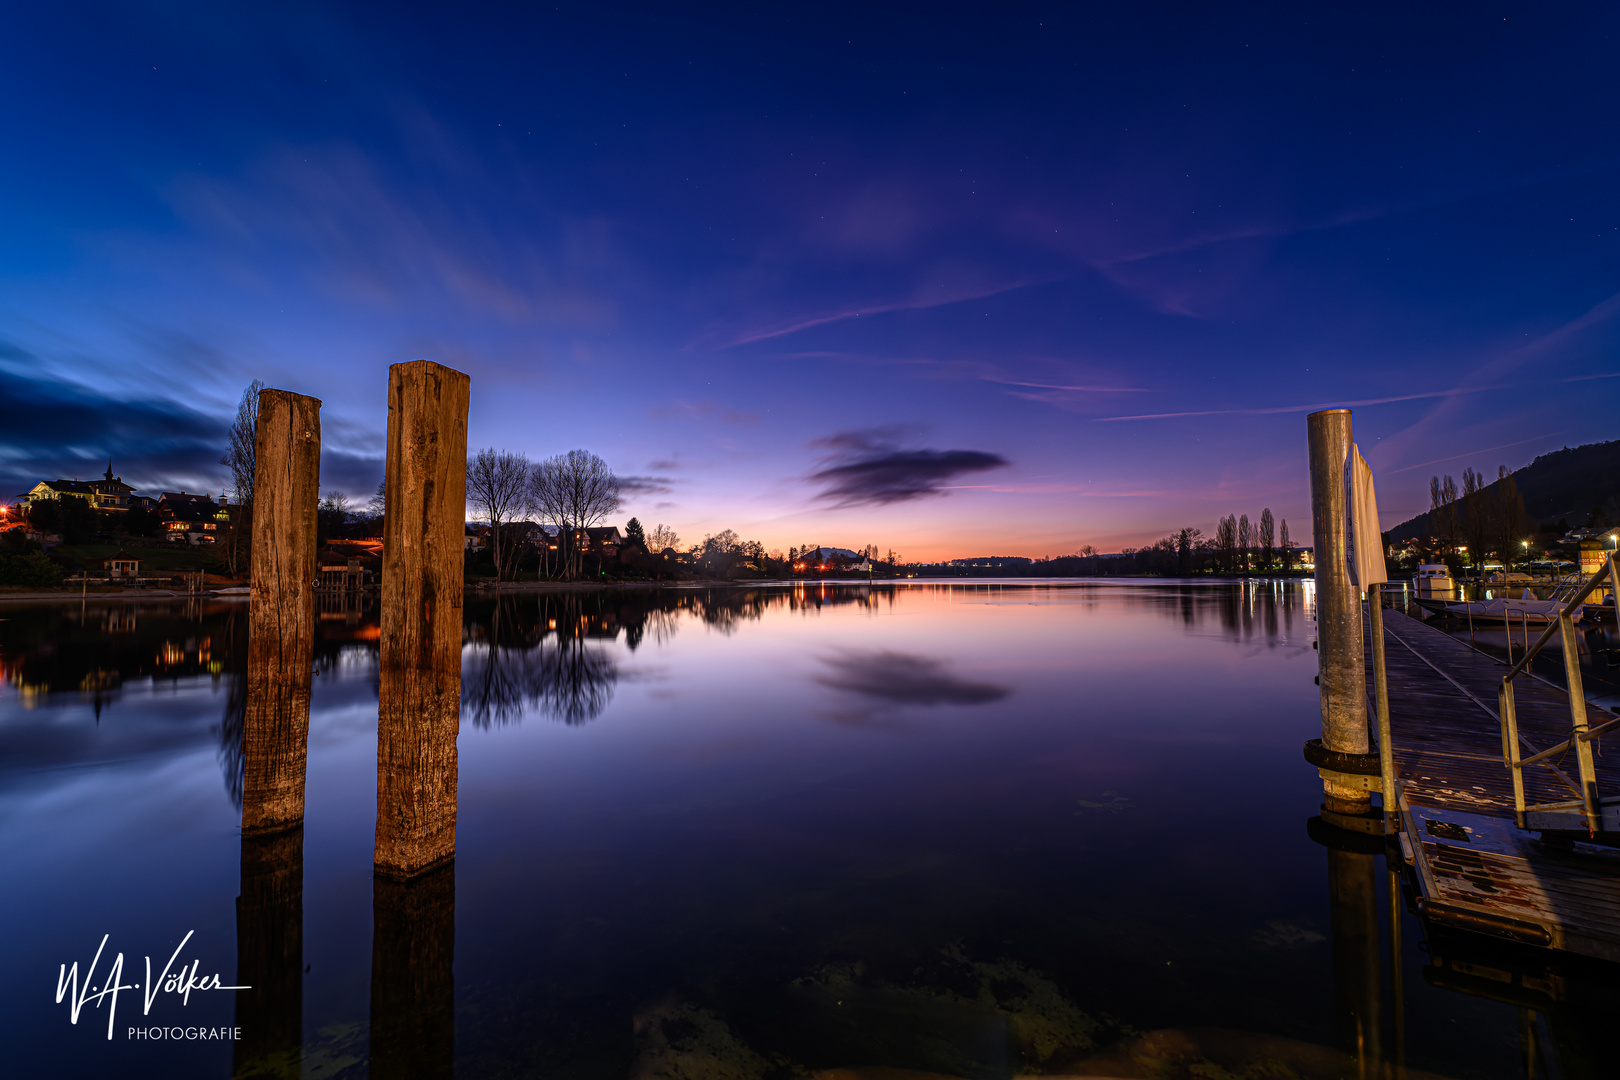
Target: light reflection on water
[968,829]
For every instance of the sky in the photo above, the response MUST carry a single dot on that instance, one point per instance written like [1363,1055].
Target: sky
[953,280]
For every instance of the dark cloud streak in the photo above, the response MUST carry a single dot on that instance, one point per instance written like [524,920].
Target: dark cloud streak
[51,429]
[869,468]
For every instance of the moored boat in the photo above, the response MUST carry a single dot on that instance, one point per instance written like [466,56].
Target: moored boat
[1502,609]
[1434,578]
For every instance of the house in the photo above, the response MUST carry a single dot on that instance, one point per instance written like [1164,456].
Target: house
[344,566]
[192,519]
[605,541]
[108,493]
[115,567]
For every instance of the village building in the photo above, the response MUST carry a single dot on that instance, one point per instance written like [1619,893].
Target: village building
[192,519]
[121,566]
[108,493]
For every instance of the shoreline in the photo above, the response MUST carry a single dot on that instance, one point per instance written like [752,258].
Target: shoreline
[489,589]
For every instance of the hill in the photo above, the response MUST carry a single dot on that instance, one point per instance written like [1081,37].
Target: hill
[1565,485]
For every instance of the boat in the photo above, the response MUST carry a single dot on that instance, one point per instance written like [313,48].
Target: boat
[1434,578]
[1500,578]
[1503,609]
[1600,613]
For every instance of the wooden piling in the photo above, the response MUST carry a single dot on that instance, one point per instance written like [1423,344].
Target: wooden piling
[1338,607]
[419,704]
[281,611]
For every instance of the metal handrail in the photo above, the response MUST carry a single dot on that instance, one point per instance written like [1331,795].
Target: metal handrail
[1581,733]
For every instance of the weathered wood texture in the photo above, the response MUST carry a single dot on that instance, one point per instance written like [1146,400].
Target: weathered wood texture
[1448,757]
[413,986]
[419,702]
[1338,605]
[281,611]
[270,956]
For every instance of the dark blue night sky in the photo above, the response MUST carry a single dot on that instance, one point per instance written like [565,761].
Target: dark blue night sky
[953,280]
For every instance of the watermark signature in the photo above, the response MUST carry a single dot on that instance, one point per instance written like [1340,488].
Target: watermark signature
[181,981]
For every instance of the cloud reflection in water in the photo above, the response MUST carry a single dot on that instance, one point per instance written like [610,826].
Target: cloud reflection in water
[887,680]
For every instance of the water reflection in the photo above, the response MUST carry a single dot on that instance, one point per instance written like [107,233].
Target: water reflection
[270,956]
[709,877]
[542,660]
[895,678]
[413,990]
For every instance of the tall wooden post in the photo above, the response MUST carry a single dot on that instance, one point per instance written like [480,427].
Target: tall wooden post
[419,700]
[1343,673]
[281,611]
[275,733]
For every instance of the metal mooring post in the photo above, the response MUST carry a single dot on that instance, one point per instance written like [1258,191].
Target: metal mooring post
[1343,674]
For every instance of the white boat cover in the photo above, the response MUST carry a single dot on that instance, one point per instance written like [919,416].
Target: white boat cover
[1364,547]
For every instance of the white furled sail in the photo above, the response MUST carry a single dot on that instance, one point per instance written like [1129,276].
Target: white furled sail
[1364,542]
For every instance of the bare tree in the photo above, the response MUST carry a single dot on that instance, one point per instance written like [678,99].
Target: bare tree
[1477,525]
[498,489]
[1443,516]
[1511,519]
[661,538]
[332,516]
[574,491]
[1268,538]
[241,458]
[1287,547]
[1226,542]
[1245,541]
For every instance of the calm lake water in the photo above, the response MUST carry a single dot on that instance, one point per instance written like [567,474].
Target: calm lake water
[976,830]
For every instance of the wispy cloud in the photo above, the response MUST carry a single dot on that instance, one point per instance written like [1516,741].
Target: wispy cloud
[646,485]
[925,299]
[1471,453]
[737,417]
[1457,391]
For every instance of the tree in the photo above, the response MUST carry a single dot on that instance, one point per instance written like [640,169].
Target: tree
[498,488]
[332,517]
[45,515]
[633,534]
[139,521]
[23,561]
[1287,546]
[574,491]
[1226,540]
[1186,542]
[1245,541]
[1511,519]
[661,539]
[241,457]
[1443,516]
[69,515]
[1268,538]
[1476,517]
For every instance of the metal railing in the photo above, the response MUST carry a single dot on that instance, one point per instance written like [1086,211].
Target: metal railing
[1584,787]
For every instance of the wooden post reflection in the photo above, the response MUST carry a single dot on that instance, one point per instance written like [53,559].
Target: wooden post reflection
[419,692]
[275,737]
[1357,976]
[413,994]
[270,956]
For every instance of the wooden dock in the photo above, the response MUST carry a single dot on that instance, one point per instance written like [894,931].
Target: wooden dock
[1470,865]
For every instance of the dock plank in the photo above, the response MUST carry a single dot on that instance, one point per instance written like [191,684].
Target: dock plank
[1447,744]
